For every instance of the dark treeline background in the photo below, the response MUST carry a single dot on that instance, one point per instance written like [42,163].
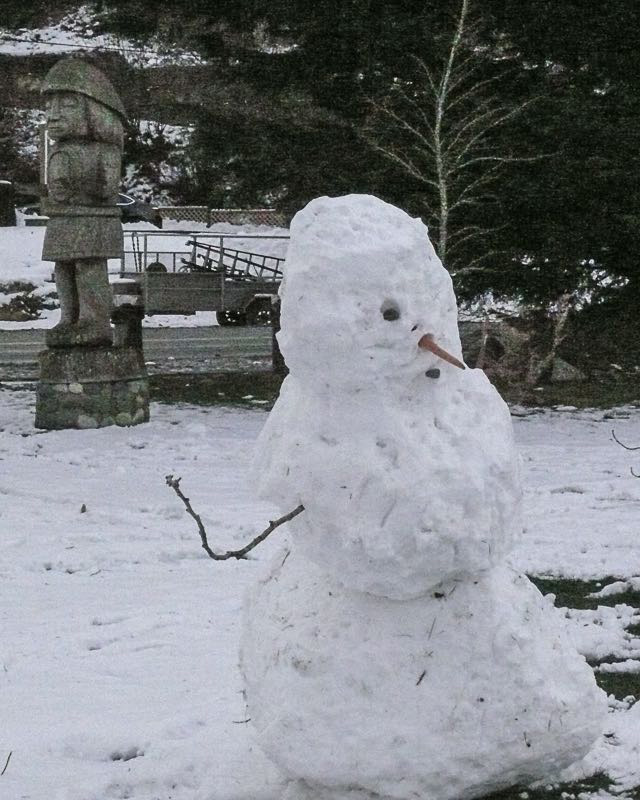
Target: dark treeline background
[561,214]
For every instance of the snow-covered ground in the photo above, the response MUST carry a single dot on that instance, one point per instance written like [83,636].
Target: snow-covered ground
[118,653]
[582,508]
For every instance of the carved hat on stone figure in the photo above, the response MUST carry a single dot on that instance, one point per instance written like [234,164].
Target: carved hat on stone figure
[101,115]
[76,75]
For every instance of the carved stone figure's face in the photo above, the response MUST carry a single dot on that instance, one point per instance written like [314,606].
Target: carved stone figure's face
[66,116]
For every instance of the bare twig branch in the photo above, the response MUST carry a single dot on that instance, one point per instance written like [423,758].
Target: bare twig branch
[6,763]
[404,162]
[402,123]
[626,446]
[476,89]
[475,264]
[174,483]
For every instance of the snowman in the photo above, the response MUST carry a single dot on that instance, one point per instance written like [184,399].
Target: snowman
[390,650]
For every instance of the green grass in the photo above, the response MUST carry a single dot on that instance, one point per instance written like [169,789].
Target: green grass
[619,684]
[230,388]
[563,791]
[614,390]
[574,593]
[248,389]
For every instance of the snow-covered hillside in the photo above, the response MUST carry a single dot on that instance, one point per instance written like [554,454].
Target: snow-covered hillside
[80,29]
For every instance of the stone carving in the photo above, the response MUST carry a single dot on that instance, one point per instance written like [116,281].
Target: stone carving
[85,121]
[87,380]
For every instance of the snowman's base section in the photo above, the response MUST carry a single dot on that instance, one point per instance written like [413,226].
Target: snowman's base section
[91,387]
[466,691]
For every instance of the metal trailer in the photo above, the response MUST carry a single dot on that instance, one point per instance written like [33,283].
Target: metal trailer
[209,274]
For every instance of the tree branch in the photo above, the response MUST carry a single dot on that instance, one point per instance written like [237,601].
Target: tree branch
[475,265]
[474,89]
[474,126]
[626,446]
[404,162]
[174,483]
[6,763]
[427,72]
[489,124]
[402,123]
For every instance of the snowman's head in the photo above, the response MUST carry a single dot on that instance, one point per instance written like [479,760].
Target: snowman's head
[365,299]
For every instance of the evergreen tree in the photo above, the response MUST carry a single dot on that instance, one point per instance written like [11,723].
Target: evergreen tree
[573,216]
[563,222]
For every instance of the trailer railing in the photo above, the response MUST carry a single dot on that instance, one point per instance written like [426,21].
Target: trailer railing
[149,250]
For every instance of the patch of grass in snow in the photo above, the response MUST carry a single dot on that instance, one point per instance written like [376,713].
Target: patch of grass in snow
[231,388]
[619,684]
[634,630]
[257,389]
[572,593]
[616,388]
[561,791]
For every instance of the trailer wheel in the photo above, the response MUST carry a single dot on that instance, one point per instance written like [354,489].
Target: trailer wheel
[259,312]
[236,318]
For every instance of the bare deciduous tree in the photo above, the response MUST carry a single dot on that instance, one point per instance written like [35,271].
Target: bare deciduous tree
[439,126]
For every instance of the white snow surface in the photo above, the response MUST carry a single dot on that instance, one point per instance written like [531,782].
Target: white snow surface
[406,480]
[118,654]
[119,637]
[394,623]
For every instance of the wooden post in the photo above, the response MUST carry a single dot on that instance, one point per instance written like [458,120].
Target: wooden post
[43,144]
[7,204]
[127,315]
[277,360]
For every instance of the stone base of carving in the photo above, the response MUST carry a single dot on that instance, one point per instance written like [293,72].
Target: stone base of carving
[91,387]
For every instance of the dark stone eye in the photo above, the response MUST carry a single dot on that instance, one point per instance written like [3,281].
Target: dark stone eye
[434,372]
[391,314]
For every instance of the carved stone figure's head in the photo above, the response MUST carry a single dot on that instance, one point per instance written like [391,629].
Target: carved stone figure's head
[81,103]
[66,116]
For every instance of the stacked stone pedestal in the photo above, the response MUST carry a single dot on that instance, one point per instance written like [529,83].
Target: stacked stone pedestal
[91,387]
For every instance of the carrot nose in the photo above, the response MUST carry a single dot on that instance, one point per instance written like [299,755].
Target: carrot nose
[427,343]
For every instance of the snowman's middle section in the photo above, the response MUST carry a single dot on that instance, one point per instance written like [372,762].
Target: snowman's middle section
[400,492]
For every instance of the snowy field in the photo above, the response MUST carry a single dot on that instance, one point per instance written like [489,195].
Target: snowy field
[119,638]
